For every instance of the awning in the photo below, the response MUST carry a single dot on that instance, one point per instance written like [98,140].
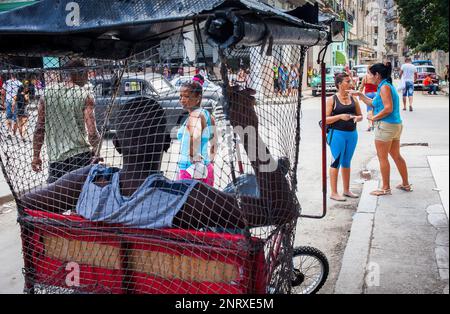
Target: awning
[116,28]
[341,58]
[357,42]
[8,6]
[366,49]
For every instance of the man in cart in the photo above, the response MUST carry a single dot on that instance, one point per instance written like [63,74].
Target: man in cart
[139,196]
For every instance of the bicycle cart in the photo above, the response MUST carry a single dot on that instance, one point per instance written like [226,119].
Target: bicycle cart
[129,51]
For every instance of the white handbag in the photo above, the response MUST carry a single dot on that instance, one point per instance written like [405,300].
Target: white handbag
[401,86]
[198,171]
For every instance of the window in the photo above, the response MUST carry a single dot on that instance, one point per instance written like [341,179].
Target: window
[375,42]
[426,70]
[160,85]
[375,30]
[103,88]
[132,88]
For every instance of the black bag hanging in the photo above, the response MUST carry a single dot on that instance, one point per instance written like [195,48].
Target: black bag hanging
[329,128]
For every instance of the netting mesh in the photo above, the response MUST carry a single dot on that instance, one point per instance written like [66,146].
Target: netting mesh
[152,175]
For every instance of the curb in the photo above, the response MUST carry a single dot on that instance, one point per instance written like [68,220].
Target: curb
[6,199]
[351,279]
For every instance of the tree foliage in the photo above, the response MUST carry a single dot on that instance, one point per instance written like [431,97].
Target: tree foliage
[426,23]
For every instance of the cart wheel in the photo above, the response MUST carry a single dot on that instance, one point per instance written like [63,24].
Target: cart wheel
[310,270]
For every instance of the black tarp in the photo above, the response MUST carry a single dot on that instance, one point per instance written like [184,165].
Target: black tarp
[114,29]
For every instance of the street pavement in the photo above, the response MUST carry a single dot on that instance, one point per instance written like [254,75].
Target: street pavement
[400,243]
[401,238]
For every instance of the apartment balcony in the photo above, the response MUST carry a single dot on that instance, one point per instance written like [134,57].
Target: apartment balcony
[333,7]
[392,41]
[349,17]
[391,27]
[391,16]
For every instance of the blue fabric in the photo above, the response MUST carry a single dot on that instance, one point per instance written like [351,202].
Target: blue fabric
[247,185]
[153,205]
[409,89]
[432,89]
[343,146]
[371,96]
[184,136]
[10,114]
[394,117]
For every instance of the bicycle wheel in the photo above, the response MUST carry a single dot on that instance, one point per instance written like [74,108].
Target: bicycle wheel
[310,270]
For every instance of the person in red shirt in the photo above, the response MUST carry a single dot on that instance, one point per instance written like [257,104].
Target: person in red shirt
[428,84]
[370,90]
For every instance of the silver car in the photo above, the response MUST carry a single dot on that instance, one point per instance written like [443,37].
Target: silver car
[153,86]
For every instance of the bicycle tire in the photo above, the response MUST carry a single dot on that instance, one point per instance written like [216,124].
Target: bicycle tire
[307,251]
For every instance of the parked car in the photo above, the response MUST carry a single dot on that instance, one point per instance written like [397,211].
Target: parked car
[422,72]
[153,86]
[361,72]
[422,62]
[210,89]
[208,85]
[316,83]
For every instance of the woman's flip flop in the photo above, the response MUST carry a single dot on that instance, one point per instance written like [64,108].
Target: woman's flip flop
[343,199]
[406,188]
[351,195]
[381,192]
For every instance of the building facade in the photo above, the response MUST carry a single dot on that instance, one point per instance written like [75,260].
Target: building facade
[396,50]
[367,37]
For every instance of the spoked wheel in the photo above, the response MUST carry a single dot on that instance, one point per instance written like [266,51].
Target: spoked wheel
[310,270]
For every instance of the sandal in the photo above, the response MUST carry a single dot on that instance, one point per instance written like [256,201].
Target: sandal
[406,188]
[381,192]
[343,199]
[351,195]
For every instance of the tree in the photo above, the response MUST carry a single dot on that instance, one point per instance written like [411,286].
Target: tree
[426,23]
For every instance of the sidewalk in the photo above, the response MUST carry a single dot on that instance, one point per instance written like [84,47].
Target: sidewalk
[5,191]
[400,243]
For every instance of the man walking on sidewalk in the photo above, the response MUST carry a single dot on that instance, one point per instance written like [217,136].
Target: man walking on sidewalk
[11,88]
[64,115]
[408,74]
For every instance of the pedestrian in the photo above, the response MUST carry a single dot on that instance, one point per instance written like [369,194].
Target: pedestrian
[39,86]
[180,71]
[66,121]
[370,90]
[310,75]
[166,73]
[343,114]
[284,78]
[350,74]
[242,78]
[203,73]
[276,78]
[293,80]
[196,158]
[388,128]
[408,74]
[429,85]
[20,104]
[446,73]
[32,88]
[11,88]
